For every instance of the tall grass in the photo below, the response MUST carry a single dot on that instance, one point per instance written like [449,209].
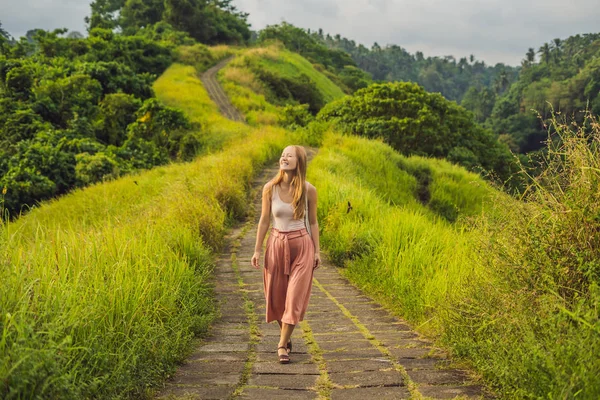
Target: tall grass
[103,289]
[531,321]
[508,286]
[393,242]
[180,86]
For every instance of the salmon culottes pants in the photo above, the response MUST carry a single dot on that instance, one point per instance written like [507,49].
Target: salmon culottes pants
[288,273]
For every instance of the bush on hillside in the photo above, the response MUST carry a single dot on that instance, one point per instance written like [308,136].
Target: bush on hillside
[416,122]
[354,78]
[300,41]
[198,55]
[70,108]
[300,89]
[295,116]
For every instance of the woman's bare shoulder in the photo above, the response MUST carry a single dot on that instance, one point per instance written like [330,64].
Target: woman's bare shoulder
[267,187]
[310,187]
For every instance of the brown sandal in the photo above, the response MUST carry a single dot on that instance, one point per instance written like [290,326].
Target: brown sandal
[283,358]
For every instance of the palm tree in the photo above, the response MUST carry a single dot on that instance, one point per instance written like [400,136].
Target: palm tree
[545,52]
[557,49]
[503,81]
[462,63]
[3,33]
[530,55]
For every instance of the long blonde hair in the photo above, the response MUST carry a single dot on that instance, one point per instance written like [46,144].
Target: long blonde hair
[298,182]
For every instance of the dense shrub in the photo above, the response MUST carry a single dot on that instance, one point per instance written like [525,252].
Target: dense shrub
[295,116]
[414,121]
[92,101]
[197,55]
[283,89]
[92,168]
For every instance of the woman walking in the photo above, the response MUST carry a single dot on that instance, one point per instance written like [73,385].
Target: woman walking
[292,253]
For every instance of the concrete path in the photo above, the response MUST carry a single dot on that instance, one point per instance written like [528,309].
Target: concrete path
[348,347]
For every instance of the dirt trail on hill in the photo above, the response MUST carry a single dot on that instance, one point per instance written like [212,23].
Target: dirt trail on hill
[217,94]
[348,347]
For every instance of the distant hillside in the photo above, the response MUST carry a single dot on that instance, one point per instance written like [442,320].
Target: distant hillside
[335,63]
[565,78]
[445,75]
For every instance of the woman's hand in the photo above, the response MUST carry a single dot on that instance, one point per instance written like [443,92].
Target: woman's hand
[317,263]
[256,260]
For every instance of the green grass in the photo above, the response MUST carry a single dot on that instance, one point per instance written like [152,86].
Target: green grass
[390,242]
[292,65]
[492,279]
[180,86]
[247,93]
[104,289]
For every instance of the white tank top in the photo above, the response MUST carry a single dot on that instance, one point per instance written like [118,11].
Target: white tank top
[282,214]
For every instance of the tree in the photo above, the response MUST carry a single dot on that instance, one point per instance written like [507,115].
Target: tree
[3,33]
[104,14]
[530,55]
[61,100]
[557,47]
[137,14]
[414,121]
[545,52]
[4,40]
[480,102]
[501,82]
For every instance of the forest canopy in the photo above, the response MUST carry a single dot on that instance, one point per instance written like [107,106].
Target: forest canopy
[206,21]
[74,111]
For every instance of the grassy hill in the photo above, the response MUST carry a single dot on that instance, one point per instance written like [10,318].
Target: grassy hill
[261,81]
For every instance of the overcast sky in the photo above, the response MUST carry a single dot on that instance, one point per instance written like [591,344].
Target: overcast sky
[492,30]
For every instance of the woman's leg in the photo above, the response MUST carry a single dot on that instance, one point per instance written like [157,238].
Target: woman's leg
[288,343]
[284,338]
[299,286]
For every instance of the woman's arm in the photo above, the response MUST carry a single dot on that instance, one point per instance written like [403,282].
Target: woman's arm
[314,224]
[263,226]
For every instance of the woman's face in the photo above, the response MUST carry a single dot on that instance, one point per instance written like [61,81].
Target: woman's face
[288,160]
